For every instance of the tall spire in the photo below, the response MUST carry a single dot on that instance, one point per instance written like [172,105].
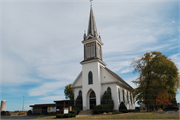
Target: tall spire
[92,30]
[92,41]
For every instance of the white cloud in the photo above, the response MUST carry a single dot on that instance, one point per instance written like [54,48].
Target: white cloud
[127,70]
[118,65]
[48,43]
[53,98]
[178,97]
[42,40]
[48,88]
[176,59]
[15,73]
[130,79]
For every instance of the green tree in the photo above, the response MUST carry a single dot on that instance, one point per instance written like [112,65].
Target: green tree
[158,74]
[79,102]
[107,100]
[174,102]
[69,92]
[123,108]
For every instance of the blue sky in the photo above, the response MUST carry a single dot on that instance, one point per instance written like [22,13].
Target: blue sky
[41,47]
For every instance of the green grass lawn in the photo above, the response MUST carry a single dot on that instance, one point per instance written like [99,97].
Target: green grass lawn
[139,115]
[131,116]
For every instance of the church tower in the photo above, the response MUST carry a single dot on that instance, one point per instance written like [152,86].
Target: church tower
[92,41]
[95,78]
[91,65]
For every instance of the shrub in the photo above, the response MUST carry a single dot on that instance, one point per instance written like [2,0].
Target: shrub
[107,100]
[100,109]
[76,109]
[8,113]
[137,109]
[96,109]
[105,108]
[52,113]
[116,113]
[59,116]
[3,113]
[123,108]
[78,102]
[67,115]
[73,113]
[29,112]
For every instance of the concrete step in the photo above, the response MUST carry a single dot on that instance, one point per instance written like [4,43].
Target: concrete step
[85,112]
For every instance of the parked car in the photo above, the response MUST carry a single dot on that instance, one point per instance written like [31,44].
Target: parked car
[171,108]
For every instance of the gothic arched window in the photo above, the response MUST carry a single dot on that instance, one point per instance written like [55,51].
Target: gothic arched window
[92,95]
[109,90]
[123,96]
[90,78]
[131,98]
[119,94]
[127,97]
[80,92]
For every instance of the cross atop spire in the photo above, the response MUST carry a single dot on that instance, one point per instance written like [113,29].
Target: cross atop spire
[92,30]
[91,2]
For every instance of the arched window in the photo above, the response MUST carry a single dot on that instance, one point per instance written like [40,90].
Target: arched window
[80,92]
[90,78]
[92,50]
[123,96]
[88,51]
[98,51]
[119,94]
[127,97]
[131,98]
[109,90]
[92,95]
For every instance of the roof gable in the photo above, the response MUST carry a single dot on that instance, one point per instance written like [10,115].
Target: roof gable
[78,81]
[117,77]
[106,77]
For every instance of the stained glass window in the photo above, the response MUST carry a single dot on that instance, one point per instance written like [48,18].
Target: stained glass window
[90,77]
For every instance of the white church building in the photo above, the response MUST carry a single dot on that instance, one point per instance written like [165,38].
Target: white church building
[95,78]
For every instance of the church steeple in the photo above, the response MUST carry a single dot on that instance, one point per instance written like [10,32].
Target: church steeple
[92,41]
[92,29]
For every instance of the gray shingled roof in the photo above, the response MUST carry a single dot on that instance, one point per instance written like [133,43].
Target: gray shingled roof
[117,77]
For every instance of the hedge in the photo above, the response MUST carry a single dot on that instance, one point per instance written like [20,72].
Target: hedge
[100,109]
[59,116]
[67,115]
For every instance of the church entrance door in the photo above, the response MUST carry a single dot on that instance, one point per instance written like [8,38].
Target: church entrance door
[92,100]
